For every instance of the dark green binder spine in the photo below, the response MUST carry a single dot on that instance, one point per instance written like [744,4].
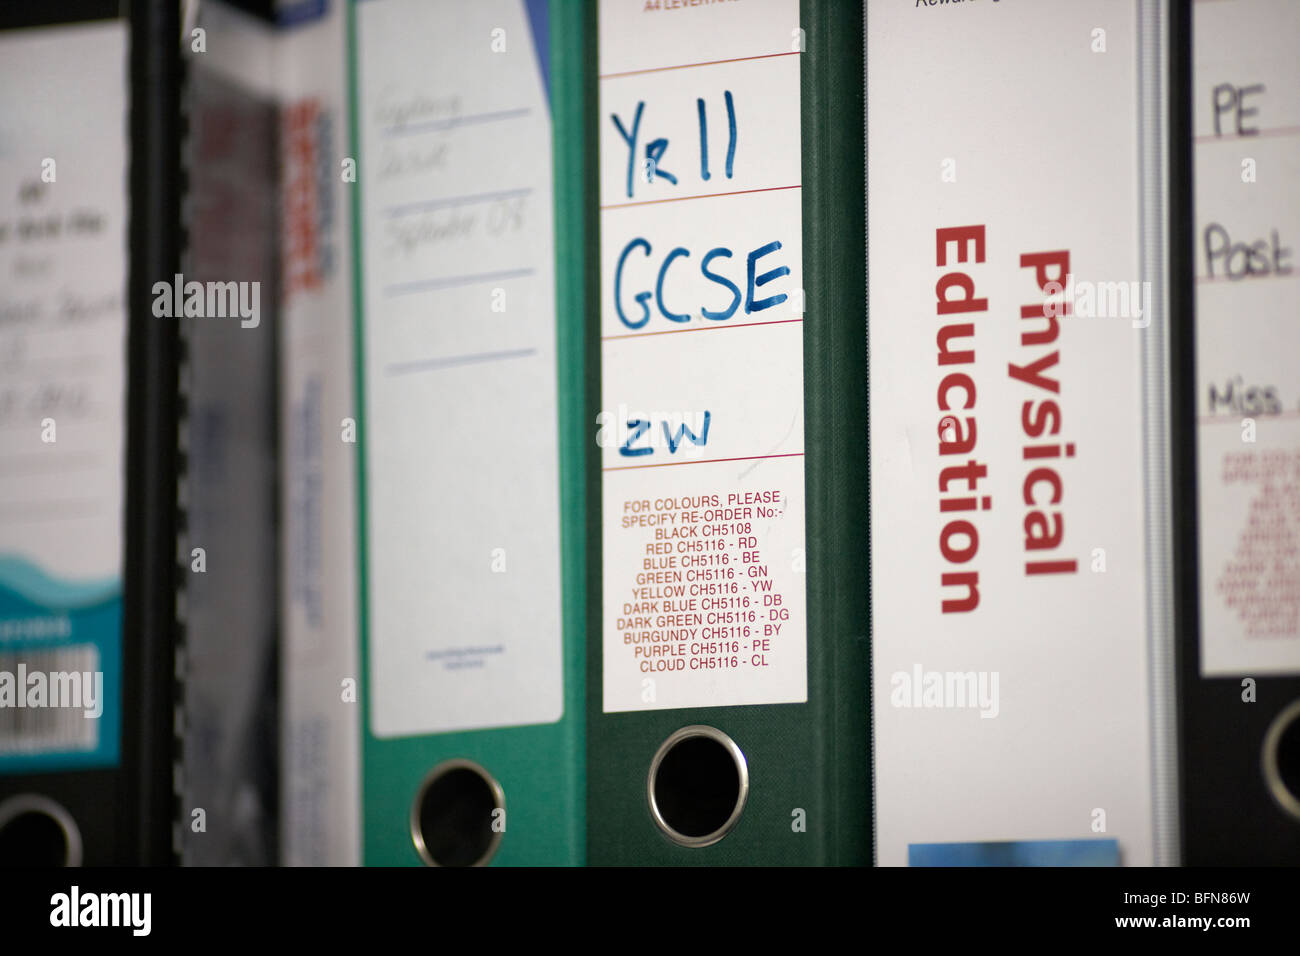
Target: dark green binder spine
[835,413]
[813,756]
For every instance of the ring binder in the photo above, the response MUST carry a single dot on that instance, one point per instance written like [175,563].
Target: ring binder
[1234,75]
[729,541]
[109,597]
[469,290]
[1021,522]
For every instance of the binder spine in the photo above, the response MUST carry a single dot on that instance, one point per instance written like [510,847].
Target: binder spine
[799,717]
[183,383]
[835,397]
[1230,698]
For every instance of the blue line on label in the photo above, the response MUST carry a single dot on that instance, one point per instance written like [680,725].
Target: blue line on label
[470,119]
[426,285]
[394,211]
[433,364]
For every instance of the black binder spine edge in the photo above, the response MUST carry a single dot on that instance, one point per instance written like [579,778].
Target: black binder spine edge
[1182,348]
[149,574]
[182,543]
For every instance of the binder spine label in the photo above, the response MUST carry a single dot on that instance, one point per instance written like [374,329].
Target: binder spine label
[1247,122]
[320,745]
[458,368]
[1008,306]
[702,311]
[63,269]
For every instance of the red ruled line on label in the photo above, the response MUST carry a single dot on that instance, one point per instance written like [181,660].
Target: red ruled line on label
[1237,420]
[1234,138]
[738,192]
[704,461]
[687,66]
[698,328]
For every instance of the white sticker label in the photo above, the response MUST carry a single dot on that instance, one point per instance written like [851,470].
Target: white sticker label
[63,227]
[458,344]
[701,432]
[64,105]
[1247,124]
[1006,321]
[319,663]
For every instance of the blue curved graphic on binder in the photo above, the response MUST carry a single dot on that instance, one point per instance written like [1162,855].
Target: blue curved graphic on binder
[25,580]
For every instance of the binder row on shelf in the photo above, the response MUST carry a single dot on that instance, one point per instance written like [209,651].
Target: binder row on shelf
[380,484]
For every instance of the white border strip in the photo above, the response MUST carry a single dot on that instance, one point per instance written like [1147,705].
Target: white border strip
[1153,183]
